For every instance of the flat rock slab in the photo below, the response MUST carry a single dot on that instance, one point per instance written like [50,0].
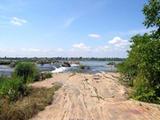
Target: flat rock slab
[83,98]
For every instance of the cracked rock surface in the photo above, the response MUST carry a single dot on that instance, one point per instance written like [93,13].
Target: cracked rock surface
[93,97]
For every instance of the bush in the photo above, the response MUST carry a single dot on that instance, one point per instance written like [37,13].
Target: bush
[43,76]
[27,107]
[143,91]
[82,67]
[142,68]
[48,75]
[129,71]
[27,71]
[12,88]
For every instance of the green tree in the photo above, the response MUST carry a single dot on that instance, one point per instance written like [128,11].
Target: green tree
[142,67]
[152,15]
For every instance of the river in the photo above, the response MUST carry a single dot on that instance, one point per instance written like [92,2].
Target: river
[92,66]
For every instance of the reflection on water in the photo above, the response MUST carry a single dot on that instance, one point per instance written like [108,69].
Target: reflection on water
[93,66]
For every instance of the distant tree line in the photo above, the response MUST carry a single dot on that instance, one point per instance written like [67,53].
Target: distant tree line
[44,60]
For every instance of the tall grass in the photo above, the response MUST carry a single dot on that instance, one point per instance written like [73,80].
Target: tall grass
[12,88]
[27,107]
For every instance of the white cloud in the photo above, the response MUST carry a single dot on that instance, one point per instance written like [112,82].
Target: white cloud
[69,21]
[31,50]
[95,36]
[114,48]
[17,21]
[102,48]
[119,42]
[60,50]
[81,46]
[76,50]
[3,50]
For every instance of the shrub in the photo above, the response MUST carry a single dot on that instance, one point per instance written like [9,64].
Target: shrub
[142,67]
[48,75]
[142,90]
[129,71]
[27,107]
[43,76]
[82,67]
[27,71]
[12,88]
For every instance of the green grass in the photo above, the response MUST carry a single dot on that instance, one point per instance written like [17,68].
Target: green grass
[12,88]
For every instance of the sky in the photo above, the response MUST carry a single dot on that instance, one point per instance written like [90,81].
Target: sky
[69,28]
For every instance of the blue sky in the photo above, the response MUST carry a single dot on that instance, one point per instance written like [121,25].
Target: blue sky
[99,28]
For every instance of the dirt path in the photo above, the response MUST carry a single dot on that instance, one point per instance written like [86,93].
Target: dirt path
[93,97]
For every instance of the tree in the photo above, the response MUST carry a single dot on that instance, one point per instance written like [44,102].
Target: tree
[143,62]
[152,15]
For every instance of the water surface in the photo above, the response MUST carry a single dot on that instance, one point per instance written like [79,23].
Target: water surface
[92,67]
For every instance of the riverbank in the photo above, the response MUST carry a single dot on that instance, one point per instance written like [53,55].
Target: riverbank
[93,97]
